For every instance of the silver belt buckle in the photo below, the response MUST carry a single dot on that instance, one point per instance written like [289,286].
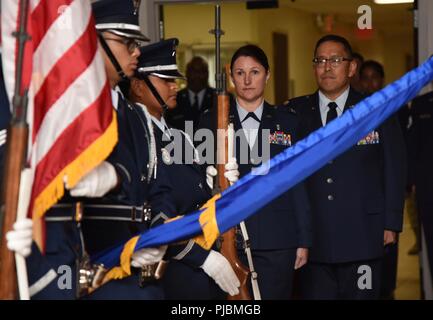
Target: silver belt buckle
[90,277]
[147,213]
[152,273]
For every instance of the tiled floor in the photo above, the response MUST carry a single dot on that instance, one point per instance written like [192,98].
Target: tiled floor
[408,277]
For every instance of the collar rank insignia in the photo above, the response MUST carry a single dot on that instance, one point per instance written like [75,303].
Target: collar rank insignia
[371,138]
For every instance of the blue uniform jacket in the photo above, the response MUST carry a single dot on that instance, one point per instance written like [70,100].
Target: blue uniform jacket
[358,195]
[5,117]
[285,222]
[189,189]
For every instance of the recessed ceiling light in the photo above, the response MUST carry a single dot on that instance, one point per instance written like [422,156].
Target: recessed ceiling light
[392,1]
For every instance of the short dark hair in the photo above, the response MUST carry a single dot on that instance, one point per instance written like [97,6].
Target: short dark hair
[356,55]
[252,51]
[376,66]
[197,60]
[338,39]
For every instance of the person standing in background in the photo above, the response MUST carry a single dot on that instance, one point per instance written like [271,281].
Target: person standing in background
[372,77]
[195,99]
[355,81]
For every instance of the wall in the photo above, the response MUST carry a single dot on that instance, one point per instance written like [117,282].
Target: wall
[191,23]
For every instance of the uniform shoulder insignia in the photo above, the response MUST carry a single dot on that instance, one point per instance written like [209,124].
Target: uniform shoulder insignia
[296,101]
[286,108]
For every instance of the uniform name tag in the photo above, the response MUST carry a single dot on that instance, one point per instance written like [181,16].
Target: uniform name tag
[280,138]
[371,138]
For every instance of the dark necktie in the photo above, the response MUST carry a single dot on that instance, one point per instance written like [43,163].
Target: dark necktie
[195,105]
[332,112]
[251,115]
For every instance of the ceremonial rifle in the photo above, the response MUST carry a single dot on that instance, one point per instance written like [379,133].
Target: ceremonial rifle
[16,154]
[228,246]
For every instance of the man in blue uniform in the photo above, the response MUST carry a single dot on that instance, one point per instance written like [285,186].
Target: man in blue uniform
[357,198]
[192,272]
[110,204]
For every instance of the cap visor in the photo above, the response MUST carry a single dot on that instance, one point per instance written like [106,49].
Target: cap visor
[130,34]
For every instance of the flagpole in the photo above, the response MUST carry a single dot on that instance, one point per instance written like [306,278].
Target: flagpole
[23,206]
[16,153]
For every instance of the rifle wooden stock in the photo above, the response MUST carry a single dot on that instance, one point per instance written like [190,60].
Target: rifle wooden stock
[15,158]
[228,246]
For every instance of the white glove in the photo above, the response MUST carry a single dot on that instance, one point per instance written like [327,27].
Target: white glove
[218,268]
[231,172]
[19,239]
[147,256]
[3,136]
[97,182]
[211,172]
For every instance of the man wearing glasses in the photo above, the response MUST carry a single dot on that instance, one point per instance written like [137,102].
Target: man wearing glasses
[357,198]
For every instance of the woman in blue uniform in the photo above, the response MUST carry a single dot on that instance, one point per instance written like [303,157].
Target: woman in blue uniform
[279,233]
[192,273]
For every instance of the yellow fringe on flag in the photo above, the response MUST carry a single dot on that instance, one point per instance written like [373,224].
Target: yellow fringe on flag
[173,219]
[208,224]
[97,152]
[210,234]
[125,262]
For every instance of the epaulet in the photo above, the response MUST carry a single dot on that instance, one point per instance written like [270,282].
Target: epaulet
[291,110]
[292,105]
[297,100]
[285,108]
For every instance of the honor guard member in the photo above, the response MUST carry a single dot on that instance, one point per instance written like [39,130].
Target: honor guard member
[110,204]
[420,146]
[279,233]
[357,198]
[192,272]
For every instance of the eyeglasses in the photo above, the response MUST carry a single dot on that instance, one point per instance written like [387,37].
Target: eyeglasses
[131,44]
[333,61]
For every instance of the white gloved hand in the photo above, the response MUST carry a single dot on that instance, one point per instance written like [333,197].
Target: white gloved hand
[147,256]
[218,268]
[97,182]
[3,136]
[211,172]
[19,239]
[231,170]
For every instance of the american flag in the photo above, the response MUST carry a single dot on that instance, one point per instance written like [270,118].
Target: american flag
[71,120]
